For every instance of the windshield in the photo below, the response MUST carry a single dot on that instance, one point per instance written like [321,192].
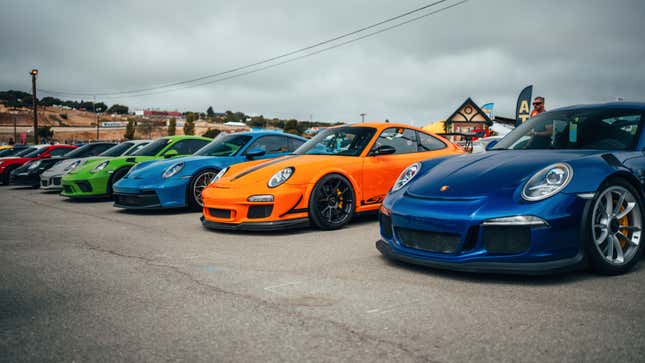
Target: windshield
[136,148]
[34,152]
[26,151]
[598,129]
[117,149]
[152,148]
[79,152]
[11,152]
[347,141]
[227,145]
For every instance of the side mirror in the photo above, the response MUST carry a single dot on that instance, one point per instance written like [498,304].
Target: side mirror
[490,145]
[384,150]
[170,154]
[254,153]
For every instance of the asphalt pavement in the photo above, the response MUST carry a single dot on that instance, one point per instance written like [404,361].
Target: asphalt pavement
[84,281]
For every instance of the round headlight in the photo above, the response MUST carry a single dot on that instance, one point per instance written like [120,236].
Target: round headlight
[173,170]
[219,175]
[34,165]
[72,166]
[280,177]
[101,166]
[408,174]
[547,182]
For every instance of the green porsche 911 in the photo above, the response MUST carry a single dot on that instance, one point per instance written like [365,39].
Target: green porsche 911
[95,179]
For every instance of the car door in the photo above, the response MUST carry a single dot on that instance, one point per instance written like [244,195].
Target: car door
[381,171]
[273,145]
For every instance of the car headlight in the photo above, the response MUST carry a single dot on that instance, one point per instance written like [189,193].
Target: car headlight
[408,174]
[72,166]
[547,182]
[173,170]
[219,175]
[34,165]
[281,177]
[101,166]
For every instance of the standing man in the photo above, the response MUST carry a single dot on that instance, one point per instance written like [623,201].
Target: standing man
[538,106]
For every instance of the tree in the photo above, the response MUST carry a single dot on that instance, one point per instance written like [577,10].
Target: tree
[172,127]
[210,111]
[101,107]
[145,127]
[129,130]
[189,126]
[212,133]
[257,121]
[118,109]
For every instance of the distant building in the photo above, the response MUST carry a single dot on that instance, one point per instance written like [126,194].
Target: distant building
[162,114]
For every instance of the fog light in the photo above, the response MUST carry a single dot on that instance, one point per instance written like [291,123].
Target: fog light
[261,198]
[516,221]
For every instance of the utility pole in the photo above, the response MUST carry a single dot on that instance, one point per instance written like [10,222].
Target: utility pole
[34,73]
[14,112]
[97,118]
[363,117]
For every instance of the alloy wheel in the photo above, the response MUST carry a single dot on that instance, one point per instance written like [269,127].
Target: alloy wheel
[617,224]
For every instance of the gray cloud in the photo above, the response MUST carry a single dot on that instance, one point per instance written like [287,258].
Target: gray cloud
[572,51]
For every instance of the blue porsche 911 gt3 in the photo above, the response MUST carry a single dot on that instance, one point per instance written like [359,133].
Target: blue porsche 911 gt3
[563,190]
[178,182]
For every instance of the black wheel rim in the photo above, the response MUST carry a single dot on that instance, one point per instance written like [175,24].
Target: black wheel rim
[334,201]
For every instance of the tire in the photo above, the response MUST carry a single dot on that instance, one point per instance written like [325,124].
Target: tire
[197,182]
[616,227]
[116,176]
[332,202]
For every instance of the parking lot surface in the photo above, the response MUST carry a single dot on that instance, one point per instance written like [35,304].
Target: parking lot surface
[84,281]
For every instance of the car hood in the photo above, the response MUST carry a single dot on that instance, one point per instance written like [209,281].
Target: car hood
[154,168]
[306,166]
[476,175]
[59,168]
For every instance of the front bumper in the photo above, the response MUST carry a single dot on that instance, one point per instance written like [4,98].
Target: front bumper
[140,194]
[452,234]
[257,226]
[92,187]
[228,209]
[51,181]
[26,179]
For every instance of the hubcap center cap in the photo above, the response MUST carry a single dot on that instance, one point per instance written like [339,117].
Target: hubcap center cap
[614,225]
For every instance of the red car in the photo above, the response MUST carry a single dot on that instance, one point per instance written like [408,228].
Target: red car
[39,152]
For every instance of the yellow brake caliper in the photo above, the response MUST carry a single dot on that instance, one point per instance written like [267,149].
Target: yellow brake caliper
[624,222]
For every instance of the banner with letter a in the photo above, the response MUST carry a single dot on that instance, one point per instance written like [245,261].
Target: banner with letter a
[523,109]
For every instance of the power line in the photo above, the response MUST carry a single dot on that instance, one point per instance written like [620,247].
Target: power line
[187,84]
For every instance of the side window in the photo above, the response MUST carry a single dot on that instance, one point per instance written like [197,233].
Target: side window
[59,151]
[294,144]
[188,147]
[402,139]
[271,144]
[429,143]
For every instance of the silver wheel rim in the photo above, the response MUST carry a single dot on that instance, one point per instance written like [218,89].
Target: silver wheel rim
[617,223]
[200,183]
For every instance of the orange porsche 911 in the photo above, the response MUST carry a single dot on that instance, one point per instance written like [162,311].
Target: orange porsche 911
[342,171]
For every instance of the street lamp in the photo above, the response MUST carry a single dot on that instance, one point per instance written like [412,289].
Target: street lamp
[363,117]
[34,73]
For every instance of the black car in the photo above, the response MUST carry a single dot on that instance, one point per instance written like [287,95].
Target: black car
[29,173]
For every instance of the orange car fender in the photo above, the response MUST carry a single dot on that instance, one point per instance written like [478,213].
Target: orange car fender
[314,180]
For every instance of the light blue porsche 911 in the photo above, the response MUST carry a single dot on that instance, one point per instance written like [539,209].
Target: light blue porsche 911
[178,182]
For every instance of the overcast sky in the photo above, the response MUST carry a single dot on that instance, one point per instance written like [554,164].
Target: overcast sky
[571,51]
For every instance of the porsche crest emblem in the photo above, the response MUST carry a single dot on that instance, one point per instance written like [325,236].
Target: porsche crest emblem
[444,188]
